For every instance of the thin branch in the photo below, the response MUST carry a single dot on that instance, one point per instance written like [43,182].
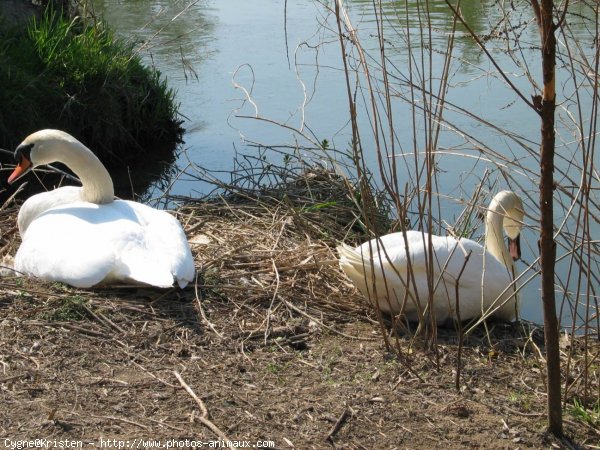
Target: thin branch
[490,57]
[204,417]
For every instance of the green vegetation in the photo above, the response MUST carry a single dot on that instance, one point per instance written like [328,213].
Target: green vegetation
[521,399]
[77,77]
[590,415]
[273,368]
[69,309]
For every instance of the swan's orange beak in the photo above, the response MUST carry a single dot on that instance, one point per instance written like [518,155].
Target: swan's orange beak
[21,169]
[514,248]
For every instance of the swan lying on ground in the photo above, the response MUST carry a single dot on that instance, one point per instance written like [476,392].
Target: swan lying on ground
[381,270]
[82,236]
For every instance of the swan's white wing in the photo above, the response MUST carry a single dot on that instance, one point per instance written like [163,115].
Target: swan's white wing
[484,284]
[384,276]
[480,279]
[164,240]
[36,205]
[56,247]
[398,279]
[83,244]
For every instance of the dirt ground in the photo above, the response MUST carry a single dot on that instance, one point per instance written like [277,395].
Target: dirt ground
[270,344]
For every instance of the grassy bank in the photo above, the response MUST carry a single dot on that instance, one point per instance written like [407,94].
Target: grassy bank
[78,77]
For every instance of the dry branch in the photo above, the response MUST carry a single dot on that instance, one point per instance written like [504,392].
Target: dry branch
[204,417]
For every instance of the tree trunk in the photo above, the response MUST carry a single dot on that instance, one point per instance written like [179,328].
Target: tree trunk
[547,244]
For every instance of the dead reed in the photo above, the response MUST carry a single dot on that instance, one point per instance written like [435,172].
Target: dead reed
[272,243]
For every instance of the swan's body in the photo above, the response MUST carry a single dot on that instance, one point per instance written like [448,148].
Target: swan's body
[484,287]
[82,236]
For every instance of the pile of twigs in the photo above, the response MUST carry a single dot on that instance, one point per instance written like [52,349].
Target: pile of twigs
[273,246]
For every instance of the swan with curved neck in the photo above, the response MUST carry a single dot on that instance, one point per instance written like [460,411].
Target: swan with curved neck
[396,280]
[82,236]
[48,146]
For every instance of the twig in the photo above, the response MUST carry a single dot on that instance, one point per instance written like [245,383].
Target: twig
[276,332]
[204,417]
[338,424]
[164,424]
[13,378]
[270,310]
[103,319]
[157,378]
[69,326]
[461,335]
[308,316]
[581,422]
[119,419]
[201,310]
[161,296]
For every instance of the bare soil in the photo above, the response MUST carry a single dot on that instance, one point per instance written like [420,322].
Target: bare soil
[276,345]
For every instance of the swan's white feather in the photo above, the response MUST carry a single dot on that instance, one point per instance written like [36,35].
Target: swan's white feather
[380,270]
[83,243]
[37,204]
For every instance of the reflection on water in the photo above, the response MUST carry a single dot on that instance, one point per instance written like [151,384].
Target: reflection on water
[205,48]
[211,49]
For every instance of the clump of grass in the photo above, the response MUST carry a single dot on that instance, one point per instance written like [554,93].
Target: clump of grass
[521,399]
[78,77]
[590,415]
[70,309]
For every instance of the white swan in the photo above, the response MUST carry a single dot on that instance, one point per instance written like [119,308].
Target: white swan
[484,287]
[83,236]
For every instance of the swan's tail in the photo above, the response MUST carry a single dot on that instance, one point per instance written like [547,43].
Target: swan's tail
[354,265]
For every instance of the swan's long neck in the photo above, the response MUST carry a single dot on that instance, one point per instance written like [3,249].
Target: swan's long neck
[494,234]
[97,185]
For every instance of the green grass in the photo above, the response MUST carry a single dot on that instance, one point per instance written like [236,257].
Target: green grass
[522,400]
[68,310]
[589,415]
[318,206]
[79,78]
[273,368]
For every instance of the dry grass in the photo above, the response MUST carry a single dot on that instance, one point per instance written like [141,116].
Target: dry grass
[274,246]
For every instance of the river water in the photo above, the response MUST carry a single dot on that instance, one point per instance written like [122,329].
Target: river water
[232,60]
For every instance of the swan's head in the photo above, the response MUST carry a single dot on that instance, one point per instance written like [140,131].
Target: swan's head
[39,148]
[507,206]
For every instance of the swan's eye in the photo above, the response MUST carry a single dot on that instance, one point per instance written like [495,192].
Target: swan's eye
[23,151]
